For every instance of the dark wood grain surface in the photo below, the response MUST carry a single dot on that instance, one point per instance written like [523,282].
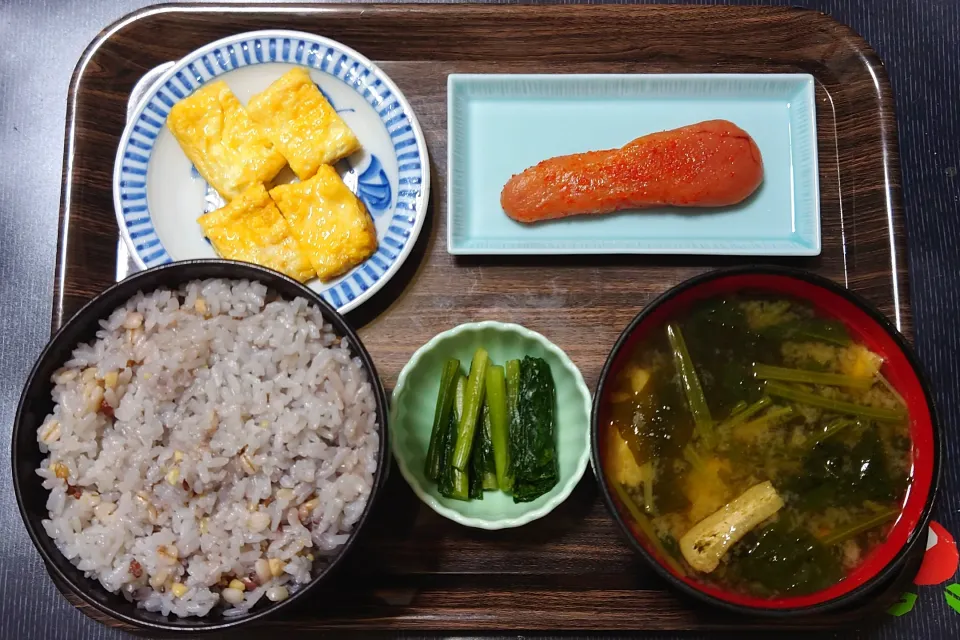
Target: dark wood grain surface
[862,218]
[417,571]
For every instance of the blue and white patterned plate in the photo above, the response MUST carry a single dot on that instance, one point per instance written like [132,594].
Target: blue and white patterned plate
[158,195]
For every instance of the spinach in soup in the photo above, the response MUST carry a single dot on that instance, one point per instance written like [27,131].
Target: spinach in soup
[759,443]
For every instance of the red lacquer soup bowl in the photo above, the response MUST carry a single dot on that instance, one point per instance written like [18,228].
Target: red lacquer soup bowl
[865,325]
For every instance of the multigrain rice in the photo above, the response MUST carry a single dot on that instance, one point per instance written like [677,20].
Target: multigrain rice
[208,448]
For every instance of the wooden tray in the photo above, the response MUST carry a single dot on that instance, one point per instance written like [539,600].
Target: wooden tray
[571,570]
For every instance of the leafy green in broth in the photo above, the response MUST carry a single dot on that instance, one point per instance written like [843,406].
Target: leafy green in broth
[816,419]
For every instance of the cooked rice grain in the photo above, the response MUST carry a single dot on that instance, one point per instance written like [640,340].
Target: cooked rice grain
[206,429]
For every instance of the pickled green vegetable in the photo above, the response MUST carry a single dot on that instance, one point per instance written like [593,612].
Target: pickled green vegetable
[472,404]
[441,417]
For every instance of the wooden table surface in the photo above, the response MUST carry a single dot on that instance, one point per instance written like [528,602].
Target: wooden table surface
[45,39]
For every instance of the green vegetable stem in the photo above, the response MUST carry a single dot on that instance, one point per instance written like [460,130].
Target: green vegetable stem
[441,417]
[476,457]
[499,425]
[745,414]
[852,530]
[513,389]
[769,418]
[472,403]
[643,523]
[693,458]
[453,483]
[482,464]
[691,384]
[767,372]
[832,429]
[781,390]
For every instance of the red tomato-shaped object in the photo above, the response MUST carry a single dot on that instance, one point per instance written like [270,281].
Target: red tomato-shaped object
[941,559]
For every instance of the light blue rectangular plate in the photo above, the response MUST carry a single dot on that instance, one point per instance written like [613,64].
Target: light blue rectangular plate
[498,125]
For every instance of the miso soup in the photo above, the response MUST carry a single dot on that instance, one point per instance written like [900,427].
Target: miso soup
[757,445]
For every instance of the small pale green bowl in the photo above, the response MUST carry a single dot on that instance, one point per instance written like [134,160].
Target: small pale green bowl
[414,401]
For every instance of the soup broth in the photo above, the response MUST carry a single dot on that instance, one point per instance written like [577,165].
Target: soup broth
[757,445]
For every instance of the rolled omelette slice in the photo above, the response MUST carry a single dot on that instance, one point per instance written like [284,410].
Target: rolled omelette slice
[302,125]
[332,225]
[227,148]
[251,229]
